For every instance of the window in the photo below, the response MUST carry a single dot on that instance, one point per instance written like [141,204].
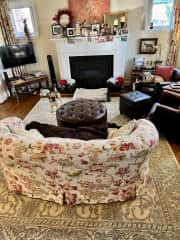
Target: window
[162,14]
[20,11]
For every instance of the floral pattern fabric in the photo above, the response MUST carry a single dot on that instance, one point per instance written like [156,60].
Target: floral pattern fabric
[74,171]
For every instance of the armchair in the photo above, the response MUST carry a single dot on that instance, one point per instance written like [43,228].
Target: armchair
[166,115]
[155,88]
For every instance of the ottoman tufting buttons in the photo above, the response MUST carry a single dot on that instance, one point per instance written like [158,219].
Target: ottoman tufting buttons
[82,112]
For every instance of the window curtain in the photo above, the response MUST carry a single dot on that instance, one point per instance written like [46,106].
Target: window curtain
[4,93]
[7,29]
[175,42]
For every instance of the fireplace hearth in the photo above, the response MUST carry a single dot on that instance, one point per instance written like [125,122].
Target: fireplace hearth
[91,71]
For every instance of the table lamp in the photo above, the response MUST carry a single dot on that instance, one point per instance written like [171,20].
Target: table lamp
[122,21]
[115,25]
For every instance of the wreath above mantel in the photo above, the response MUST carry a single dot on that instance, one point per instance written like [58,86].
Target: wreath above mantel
[64,17]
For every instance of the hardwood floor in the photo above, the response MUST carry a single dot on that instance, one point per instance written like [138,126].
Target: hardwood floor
[20,109]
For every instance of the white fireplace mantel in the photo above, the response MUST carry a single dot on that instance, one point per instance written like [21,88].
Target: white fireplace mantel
[83,47]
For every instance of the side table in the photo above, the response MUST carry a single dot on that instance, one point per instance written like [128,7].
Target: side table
[15,84]
[139,74]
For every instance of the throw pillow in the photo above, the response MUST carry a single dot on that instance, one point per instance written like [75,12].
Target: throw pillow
[124,130]
[4,130]
[33,133]
[164,71]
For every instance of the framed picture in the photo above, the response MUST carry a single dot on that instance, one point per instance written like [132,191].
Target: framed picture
[71,32]
[148,45]
[84,31]
[56,29]
[95,27]
[123,31]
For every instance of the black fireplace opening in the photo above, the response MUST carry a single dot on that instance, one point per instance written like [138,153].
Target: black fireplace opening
[91,71]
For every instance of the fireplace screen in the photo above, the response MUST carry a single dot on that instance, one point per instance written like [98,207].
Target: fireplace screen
[91,71]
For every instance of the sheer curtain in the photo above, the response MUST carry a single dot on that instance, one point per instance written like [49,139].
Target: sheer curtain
[4,93]
[7,37]
[175,42]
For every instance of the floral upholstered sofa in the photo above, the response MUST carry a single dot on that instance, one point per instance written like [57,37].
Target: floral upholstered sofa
[73,171]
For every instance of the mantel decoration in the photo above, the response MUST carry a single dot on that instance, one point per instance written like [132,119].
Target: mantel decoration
[64,17]
[85,19]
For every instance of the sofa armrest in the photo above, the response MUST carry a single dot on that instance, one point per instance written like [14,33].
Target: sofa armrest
[170,98]
[165,83]
[175,75]
[160,113]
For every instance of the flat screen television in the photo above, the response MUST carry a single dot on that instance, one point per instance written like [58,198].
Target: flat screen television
[17,55]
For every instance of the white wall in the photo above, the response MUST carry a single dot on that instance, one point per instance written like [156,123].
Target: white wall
[45,10]
[137,13]
[122,5]
[46,46]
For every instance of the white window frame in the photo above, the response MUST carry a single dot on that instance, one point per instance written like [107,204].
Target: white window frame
[14,4]
[149,18]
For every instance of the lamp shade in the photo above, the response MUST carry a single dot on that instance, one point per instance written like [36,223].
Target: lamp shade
[116,22]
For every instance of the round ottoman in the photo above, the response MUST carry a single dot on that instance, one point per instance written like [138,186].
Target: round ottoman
[81,113]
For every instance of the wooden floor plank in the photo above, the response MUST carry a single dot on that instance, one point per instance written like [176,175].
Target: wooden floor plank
[20,109]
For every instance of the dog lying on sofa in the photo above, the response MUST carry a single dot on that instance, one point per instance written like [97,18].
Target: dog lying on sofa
[83,133]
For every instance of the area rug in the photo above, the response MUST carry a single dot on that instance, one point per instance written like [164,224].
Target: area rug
[42,111]
[154,215]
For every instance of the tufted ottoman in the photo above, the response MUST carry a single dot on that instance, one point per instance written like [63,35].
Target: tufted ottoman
[135,104]
[84,113]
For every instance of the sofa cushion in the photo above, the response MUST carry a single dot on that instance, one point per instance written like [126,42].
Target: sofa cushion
[33,133]
[164,71]
[123,131]
[12,122]
[158,79]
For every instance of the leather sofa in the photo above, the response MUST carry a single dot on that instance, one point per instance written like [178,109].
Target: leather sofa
[165,114]
[73,171]
[154,89]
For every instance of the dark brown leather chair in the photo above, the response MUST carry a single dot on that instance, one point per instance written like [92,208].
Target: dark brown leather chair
[154,89]
[166,115]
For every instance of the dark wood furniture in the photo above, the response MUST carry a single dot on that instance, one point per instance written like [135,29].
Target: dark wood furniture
[14,85]
[135,104]
[139,74]
[165,114]
[172,87]
[155,89]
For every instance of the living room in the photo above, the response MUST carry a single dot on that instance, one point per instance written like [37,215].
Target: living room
[89,119]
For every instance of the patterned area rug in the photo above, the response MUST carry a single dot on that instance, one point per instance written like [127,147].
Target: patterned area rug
[154,215]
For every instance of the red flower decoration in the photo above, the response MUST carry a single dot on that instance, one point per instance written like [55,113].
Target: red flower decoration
[63,82]
[120,80]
